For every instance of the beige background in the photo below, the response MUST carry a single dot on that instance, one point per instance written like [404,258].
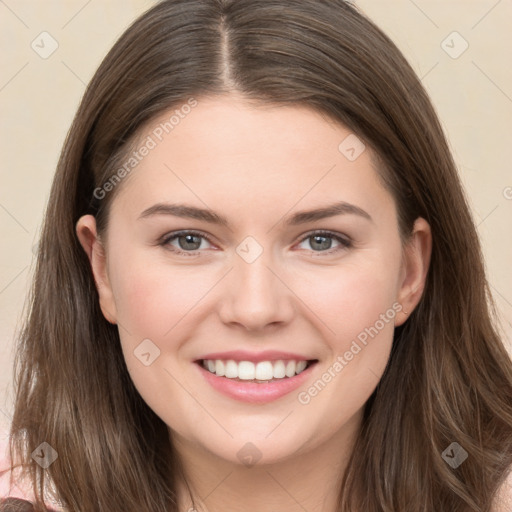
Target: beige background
[38,98]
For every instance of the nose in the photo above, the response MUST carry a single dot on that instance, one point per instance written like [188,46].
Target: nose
[256,296]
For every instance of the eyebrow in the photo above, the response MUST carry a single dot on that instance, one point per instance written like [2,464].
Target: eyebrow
[206,215]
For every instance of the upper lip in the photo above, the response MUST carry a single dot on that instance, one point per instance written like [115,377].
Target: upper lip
[255,357]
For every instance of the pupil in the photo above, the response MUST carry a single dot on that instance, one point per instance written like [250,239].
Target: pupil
[189,240]
[323,241]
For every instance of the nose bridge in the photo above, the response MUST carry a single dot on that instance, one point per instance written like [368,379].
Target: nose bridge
[255,297]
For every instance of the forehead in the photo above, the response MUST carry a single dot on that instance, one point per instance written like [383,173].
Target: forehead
[227,152]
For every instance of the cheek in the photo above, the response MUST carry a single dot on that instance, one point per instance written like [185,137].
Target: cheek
[151,297]
[352,296]
[356,306]
[155,308]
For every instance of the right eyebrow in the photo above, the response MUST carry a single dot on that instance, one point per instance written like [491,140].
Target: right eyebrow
[185,211]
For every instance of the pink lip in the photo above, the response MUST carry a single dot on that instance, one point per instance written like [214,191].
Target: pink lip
[253,392]
[242,355]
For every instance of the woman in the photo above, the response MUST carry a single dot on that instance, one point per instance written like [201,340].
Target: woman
[259,285]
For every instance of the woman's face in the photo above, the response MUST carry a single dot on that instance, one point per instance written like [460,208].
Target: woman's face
[211,254]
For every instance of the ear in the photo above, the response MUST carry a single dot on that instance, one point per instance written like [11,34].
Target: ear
[93,247]
[415,265]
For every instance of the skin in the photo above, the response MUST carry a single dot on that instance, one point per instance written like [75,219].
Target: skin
[256,166]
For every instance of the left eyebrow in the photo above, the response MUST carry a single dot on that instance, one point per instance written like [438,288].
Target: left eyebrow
[339,208]
[206,215]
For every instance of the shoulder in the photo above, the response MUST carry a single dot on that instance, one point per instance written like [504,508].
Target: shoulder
[16,492]
[503,500]
[12,485]
[15,505]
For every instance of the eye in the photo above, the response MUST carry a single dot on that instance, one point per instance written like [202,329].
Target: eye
[190,243]
[185,242]
[322,241]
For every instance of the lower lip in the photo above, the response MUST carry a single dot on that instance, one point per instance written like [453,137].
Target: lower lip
[253,392]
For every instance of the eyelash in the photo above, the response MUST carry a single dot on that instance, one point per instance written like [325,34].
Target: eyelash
[345,243]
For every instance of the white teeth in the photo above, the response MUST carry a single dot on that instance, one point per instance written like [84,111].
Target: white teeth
[247,370]
[264,371]
[290,368]
[231,371]
[219,368]
[279,370]
[301,365]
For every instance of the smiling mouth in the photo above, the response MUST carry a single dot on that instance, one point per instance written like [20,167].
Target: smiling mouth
[262,372]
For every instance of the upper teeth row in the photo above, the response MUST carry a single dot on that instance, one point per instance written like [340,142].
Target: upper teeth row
[247,370]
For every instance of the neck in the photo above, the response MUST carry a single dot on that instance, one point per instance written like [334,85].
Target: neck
[306,480]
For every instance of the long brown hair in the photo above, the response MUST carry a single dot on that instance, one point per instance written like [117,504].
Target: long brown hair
[449,378]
